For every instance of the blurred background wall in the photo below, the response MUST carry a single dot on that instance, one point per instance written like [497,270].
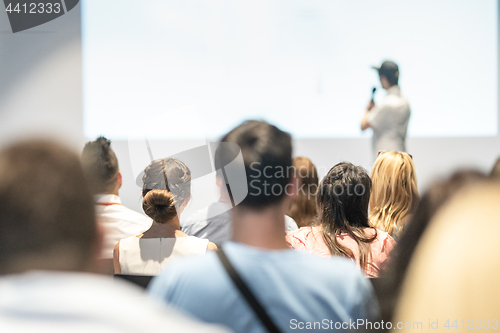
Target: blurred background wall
[41,94]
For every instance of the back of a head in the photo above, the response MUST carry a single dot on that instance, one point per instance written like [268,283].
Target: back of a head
[389,70]
[267,158]
[343,197]
[342,201]
[47,213]
[303,209]
[394,194]
[100,165]
[457,271]
[166,186]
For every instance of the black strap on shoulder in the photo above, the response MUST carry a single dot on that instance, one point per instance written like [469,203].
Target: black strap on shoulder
[247,293]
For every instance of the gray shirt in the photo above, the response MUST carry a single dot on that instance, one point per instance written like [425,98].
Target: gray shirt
[389,121]
[215,223]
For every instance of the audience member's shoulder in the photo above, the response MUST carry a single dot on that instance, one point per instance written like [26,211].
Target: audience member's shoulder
[335,265]
[290,224]
[301,232]
[134,212]
[107,305]
[197,216]
[160,314]
[136,215]
[384,237]
[216,210]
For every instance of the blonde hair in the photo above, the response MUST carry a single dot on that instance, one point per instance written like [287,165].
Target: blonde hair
[453,274]
[303,209]
[394,193]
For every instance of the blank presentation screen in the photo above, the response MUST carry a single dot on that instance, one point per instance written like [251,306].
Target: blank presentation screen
[191,69]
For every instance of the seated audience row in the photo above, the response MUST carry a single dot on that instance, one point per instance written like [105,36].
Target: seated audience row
[256,281]
[339,227]
[48,244]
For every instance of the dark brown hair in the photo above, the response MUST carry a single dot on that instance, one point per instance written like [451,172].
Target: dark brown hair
[303,209]
[263,146]
[100,165]
[167,184]
[342,199]
[46,207]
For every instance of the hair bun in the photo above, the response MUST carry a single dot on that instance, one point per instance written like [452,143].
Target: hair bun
[159,205]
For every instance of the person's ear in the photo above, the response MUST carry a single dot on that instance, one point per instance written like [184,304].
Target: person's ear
[119,179]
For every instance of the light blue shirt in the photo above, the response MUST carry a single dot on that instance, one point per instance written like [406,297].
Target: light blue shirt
[294,287]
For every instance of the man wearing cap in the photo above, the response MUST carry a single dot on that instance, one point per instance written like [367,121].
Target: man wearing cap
[389,119]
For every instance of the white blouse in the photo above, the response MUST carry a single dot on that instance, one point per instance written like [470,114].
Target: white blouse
[148,256]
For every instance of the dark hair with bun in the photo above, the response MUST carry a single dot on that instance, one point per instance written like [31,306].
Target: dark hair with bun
[100,165]
[166,185]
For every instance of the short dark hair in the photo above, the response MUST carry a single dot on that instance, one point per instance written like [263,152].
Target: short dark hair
[392,79]
[100,165]
[46,207]
[389,70]
[262,146]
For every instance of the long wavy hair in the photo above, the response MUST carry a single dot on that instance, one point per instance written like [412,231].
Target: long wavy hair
[303,209]
[342,201]
[395,194]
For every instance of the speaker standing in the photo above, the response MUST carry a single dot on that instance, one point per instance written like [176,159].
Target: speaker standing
[389,119]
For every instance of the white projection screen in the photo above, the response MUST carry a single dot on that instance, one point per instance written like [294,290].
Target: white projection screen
[197,68]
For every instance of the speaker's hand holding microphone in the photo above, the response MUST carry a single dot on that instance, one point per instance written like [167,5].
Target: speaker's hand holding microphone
[371,104]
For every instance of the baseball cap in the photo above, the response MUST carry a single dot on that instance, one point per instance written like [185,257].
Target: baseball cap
[387,69]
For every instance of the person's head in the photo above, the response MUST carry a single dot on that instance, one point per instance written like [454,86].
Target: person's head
[46,213]
[388,73]
[455,264]
[166,189]
[429,204]
[342,200]
[394,194]
[101,167]
[343,197]
[303,209]
[267,158]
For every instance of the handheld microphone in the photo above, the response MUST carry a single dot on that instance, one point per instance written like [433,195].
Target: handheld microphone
[373,92]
